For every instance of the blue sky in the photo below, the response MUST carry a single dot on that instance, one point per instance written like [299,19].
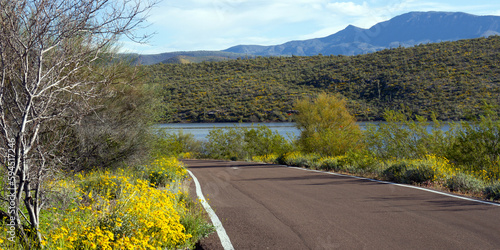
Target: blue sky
[188,25]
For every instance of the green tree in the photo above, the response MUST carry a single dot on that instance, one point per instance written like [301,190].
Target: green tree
[406,136]
[476,145]
[225,143]
[261,140]
[118,129]
[326,126]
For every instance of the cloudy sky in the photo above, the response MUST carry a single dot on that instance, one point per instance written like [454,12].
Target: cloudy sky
[188,25]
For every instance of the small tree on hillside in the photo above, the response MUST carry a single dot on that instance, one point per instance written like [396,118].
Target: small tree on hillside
[326,126]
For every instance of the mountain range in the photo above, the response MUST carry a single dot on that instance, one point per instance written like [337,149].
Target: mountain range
[405,30]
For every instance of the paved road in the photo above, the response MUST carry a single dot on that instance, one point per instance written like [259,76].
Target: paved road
[274,207]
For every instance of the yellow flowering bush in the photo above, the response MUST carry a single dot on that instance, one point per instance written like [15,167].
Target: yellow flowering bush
[149,214]
[165,170]
[269,158]
[445,170]
[300,160]
[336,163]
[187,155]
[120,210]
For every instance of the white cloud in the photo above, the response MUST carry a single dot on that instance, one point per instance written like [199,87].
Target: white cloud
[220,24]
[348,8]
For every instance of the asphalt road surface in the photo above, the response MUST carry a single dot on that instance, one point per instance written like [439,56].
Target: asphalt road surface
[275,207]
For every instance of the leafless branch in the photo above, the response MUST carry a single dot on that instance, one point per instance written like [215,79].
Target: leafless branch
[49,53]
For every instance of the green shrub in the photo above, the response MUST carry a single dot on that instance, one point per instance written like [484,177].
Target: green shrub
[472,146]
[464,183]
[331,164]
[225,144]
[261,140]
[420,174]
[304,161]
[100,184]
[476,145]
[117,132]
[281,159]
[403,137]
[396,172]
[241,143]
[175,144]
[298,159]
[353,162]
[409,172]
[195,220]
[163,171]
[159,178]
[492,192]
[362,160]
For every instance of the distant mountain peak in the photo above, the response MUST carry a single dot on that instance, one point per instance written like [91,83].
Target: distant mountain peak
[352,27]
[407,30]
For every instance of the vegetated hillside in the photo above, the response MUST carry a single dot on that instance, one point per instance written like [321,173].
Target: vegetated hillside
[187,56]
[406,30]
[452,79]
[197,59]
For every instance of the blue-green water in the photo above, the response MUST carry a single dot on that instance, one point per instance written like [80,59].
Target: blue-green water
[201,130]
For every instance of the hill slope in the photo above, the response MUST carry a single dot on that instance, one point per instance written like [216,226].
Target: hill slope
[184,56]
[452,79]
[405,30]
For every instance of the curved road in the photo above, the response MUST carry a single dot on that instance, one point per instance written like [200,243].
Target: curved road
[275,207]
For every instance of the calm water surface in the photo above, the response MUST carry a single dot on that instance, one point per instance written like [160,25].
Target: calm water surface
[201,130]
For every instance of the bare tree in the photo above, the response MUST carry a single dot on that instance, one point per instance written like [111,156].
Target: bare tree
[49,50]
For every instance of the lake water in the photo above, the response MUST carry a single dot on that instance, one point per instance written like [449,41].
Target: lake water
[201,130]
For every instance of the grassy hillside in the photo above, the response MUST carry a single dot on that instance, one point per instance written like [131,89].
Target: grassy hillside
[190,56]
[452,79]
[197,59]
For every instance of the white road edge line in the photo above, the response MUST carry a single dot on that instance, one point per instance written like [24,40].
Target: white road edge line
[400,185]
[221,232]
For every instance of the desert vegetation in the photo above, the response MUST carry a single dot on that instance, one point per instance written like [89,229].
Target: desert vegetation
[451,86]
[83,167]
[137,207]
[77,166]
[449,79]
[458,157]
